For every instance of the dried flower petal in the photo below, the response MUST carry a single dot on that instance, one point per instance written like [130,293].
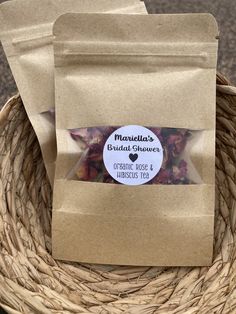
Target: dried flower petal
[173,171]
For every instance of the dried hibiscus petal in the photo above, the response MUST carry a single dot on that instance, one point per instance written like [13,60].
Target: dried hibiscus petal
[174,169]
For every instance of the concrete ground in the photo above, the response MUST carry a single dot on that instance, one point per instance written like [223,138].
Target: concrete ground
[223,10]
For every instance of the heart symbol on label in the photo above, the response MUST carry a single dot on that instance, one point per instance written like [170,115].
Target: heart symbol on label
[133,157]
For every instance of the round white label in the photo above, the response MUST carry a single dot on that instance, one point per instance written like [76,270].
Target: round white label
[133,155]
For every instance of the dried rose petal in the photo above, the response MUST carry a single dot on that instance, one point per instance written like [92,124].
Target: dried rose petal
[82,173]
[158,133]
[92,173]
[173,170]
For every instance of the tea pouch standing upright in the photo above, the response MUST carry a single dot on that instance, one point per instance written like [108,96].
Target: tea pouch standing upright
[26,35]
[135,125]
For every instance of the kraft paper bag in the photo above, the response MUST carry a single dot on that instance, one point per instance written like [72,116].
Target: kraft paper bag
[26,35]
[135,125]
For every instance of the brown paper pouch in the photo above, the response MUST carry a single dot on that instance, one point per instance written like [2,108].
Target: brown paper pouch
[152,71]
[26,35]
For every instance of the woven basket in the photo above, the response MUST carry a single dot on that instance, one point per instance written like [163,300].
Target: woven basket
[31,281]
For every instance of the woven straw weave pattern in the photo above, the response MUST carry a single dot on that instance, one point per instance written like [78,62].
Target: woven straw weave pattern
[32,282]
